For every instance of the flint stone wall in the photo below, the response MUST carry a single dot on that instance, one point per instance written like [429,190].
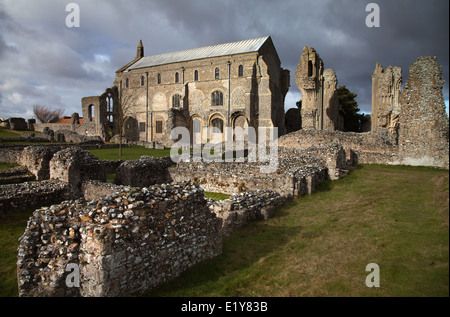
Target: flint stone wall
[123,244]
[244,207]
[367,148]
[146,171]
[10,155]
[31,195]
[424,127]
[37,160]
[15,175]
[75,165]
[233,178]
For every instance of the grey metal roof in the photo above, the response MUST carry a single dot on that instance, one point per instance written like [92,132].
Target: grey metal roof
[233,48]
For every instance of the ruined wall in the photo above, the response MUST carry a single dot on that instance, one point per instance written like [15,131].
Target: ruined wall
[332,120]
[123,244]
[368,148]
[30,195]
[386,94]
[10,154]
[423,136]
[37,160]
[15,175]
[245,207]
[320,105]
[75,165]
[308,78]
[76,133]
[296,175]
[144,172]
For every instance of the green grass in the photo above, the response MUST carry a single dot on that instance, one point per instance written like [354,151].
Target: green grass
[7,166]
[128,153]
[216,196]
[319,245]
[6,133]
[12,227]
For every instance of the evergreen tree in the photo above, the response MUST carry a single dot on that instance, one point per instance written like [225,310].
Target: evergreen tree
[348,109]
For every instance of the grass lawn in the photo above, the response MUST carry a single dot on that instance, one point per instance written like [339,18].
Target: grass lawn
[128,153]
[216,196]
[7,166]
[319,245]
[11,228]
[6,133]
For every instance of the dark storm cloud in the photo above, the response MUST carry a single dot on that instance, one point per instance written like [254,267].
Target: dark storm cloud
[37,48]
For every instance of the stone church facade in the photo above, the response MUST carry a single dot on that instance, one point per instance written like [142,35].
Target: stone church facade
[239,84]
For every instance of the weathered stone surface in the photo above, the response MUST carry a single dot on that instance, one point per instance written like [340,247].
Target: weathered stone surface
[74,165]
[386,94]
[320,107]
[143,172]
[37,160]
[424,128]
[244,207]
[124,244]
[31,195]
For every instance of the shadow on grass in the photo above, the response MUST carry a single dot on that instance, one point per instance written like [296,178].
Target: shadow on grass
[241,250]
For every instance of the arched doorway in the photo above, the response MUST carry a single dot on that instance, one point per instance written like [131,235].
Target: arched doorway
[216,128]
[196,129]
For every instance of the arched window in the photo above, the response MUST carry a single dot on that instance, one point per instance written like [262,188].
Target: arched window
[310,68]
[110,107]
[217,98]
[176,101]
[127,83]
[159,79]
[177,77]
[196,75]
[217,73]
[241,71]
[217,125]
[90,108]
[142,81]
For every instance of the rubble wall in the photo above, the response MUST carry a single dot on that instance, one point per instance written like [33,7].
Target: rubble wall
[30,195]
[122,245]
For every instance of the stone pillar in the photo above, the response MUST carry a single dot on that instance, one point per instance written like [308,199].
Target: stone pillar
[423,134]
[386,92]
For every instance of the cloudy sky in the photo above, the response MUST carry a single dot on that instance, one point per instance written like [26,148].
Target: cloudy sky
[42,61]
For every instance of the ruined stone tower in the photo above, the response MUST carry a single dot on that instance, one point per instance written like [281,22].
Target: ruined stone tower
[386,93]
[320,106]
[331,118]
[423,133]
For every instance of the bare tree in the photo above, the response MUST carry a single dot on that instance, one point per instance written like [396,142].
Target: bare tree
[46,115]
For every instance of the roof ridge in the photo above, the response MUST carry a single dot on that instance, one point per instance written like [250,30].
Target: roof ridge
[214,45]
[209,51]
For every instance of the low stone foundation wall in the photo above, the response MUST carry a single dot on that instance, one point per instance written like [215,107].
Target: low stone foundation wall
[146,171]
[10,154]
[296,175]
[31,195]
[121,245]
[16,175]
[244,207]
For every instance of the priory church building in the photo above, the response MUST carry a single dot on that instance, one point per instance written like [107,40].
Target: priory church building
[239,84]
